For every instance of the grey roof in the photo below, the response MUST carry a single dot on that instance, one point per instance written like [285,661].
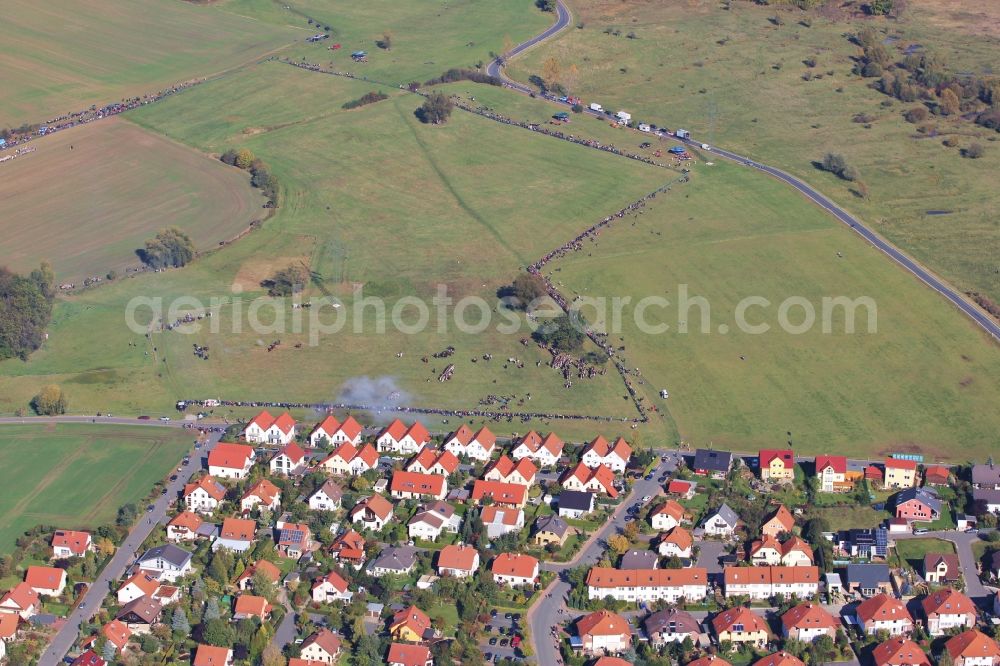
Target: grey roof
[553,524]
[576,500]
[332,490]
[986,475]
[867,576]
[207,530]
[397,558]
[726,514]
[986,495]
[712,460]
[169,552]
[639,559]
[145,608]
[928,496]
[671,621]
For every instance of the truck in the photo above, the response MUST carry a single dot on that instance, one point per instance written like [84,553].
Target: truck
[594,106]
[682,134]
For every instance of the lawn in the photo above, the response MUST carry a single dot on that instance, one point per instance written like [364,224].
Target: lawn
[911,552]
[119,185]
[737,79]
[75,476]
[62,56]
[921,382]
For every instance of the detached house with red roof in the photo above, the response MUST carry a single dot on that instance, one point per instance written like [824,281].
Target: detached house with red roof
[248,606]
[831,474]
[411,625]
[46,581]
[740,626]
[349,547]
[544,451]
[776,465]
[210,655]
[807,622]
[372,512]
[347,459]
[780,521]
[330,588]
[291,459]
[899,652]
[514,569]
[262,567]
[230,461]
[883,612]
[413,485]
[948,609]
[458,561]
[204,495]
[397,437]
[675,543]
[21,600]
[236,535]
[614,456]
[432,461]
[603,632]
[511,495]
[505,470]
[264,494]
[117,634]
[267,429]
[477,445]
[185,526]
[667,516]
[69,543]
[401,654]
[597,480]
[335,432]
[292,539]
[973,648]
[140,584]
[900,473]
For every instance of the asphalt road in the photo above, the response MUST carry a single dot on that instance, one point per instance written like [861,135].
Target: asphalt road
[985,321]
[127,552]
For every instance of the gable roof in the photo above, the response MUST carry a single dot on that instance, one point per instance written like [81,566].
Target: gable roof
[230,455]
[463,435]
[672,620]
[330,489]
[147,609]
[238,529]
[727,514]
[408,655]
[767,456]
[44,578]
[751,622]
[781,658]
[680,487]
[712,460]
[678,536]
[428,457]
[293,451]
[710,660]
[639,560]
[769,575]
[415,482]
[505,466]
[882,607]
[378,505]
[576,500]
[670,508]
[899,651]
[77,542]
[266,491]
[602,577]
[293,534]
[147,584]
[551,523]
[600,446]
[88,658]
[535,443]
[334,579]
[932,560]
[926,496]
[214,489]
[210,655]
[948,601]
[262,420]
[396,558]
[937,474]
[265,421]
[899,463]
[837,463]
[504,515]
[328,425]
[285,423]
[602,474]
[325,639]
[783,517]
[22,595]
[263,567]
[504,493]
[974,644]
[248,604]
[413,618]
[9,623]
[459,556]
[603,623]
[808,616]
[187,519]
[514,564]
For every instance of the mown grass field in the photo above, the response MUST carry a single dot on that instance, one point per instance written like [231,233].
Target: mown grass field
[63,55]
[75,476]
[922,383]
[86,199]
[736,79]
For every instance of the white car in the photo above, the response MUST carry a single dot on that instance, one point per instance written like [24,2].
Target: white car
[646,499]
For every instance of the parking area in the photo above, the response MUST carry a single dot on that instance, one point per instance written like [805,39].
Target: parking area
[502,635]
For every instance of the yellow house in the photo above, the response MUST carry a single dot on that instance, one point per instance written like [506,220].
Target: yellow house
[900,473]
[409,625]
[740,626]
[551,529]
[776,465]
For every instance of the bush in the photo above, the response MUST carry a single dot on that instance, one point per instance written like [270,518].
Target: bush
[917,114]
[367,98]
[286,282]
[244,158]
[171,248]
[50,401]
[864,118]
[836,164]
[974,151]
[464,74]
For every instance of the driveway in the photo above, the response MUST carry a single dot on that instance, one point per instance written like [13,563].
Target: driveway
[963,541]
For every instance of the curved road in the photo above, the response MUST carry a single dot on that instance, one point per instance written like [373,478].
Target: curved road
[985,321]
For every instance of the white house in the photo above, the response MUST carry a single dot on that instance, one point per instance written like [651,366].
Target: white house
[647,585]
[330,588]
[398,438]
[575,503]
[264,494]
[140,584]
[335,432]
[459,561]
[230,461]
[501,520]
[267,429]
[883,613]
[667,516]
[676,543]
[514,570]
[948,609]
[477,445]
[289,460]
[372,512]
[615,456]
[348,459]
[722,522]
[326,498]
[167,562]
[545,452]
[204,495]
[70,543]
[433,519]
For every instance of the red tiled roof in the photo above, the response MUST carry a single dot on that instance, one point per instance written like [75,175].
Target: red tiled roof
[324,638]
[710,660]
[428,457]
[899,652]
[463,435]
[503,493]
[751,622]
[508,516]
[285,423]
[379,505]
[238,529]
[210,655]
[146,583]
[837,463]
[334,579]
[896,463]
[607,578]
[603,623]
[44,578]
[415,482]
[413,618]
[9,623]
[882,607]
[948,601]
[679,536]
[602,474]
[263,420]
[770,575]
[808,616]
[22,595]
[783,516]
[514,564]
[293,451]
[974,644]
[214,489]
[678,487]
[672,509]
[186,519]
[407,655]
[779,659]
[230,455]
[786,456]
[248,604]
[265,490]
[77,542]
[459,557]
[328,425]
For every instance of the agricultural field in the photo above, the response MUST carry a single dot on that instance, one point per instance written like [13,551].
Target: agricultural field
[739,78]
[75,476]
[923,381]
[62,56]
[86,199]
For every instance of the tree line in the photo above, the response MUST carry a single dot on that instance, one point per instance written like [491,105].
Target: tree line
[367,98]
[25,310]
[260,175]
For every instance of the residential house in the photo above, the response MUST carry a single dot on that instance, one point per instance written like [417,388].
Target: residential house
[986,500]
[293,539]
[505,470]
[779,659]
[919,504]
[667,516]
[116,633]
[973,648]
[264,494]
[69,543]
[267,429]
[740,626]
[874,474]
[477,446]
[603,632]
[709,660]
[671,585]
[327,497]
[672,625]
[831,474]
[611,661]
[776,465]
[575,503]
[721,523]
[139,615]
[639,560]
[408,655]
[10,625]
[413,485]
[230,461]
[868,580]
[322,646]
[397,437]
[510,495]
[867,544]
[236,534]
[683,489]
[336,433]
[766,582]
[779,522]
[899,652]
[900,473]
[795,552]
[942,568]
[615,456]
[411,625]
[167,562]
[331,587]
[948,609]
[46,581]
[349,459]
[514,569]
[395,560]
[87,658]
[986,477]
[290,459]
[187,526]
[248,606]
[937,475]
[807,622]
[599,479]
[500,520]
[715,464]
[210,655]
[431,461]
[372,512]
[21,600]
[204,495]
[264,568]
[550,530]
[458,561]
[676,543]
[765,552]
[349,547]
[545,451]
[432,519]
[884,612]
[138,585]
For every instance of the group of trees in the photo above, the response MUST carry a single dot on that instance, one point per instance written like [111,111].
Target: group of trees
[464,74]
[836,164]
[287,281]
[170,248]
[563,333]
[367,98]
[436,109]
[50,401]
[25,310]
[260,175]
